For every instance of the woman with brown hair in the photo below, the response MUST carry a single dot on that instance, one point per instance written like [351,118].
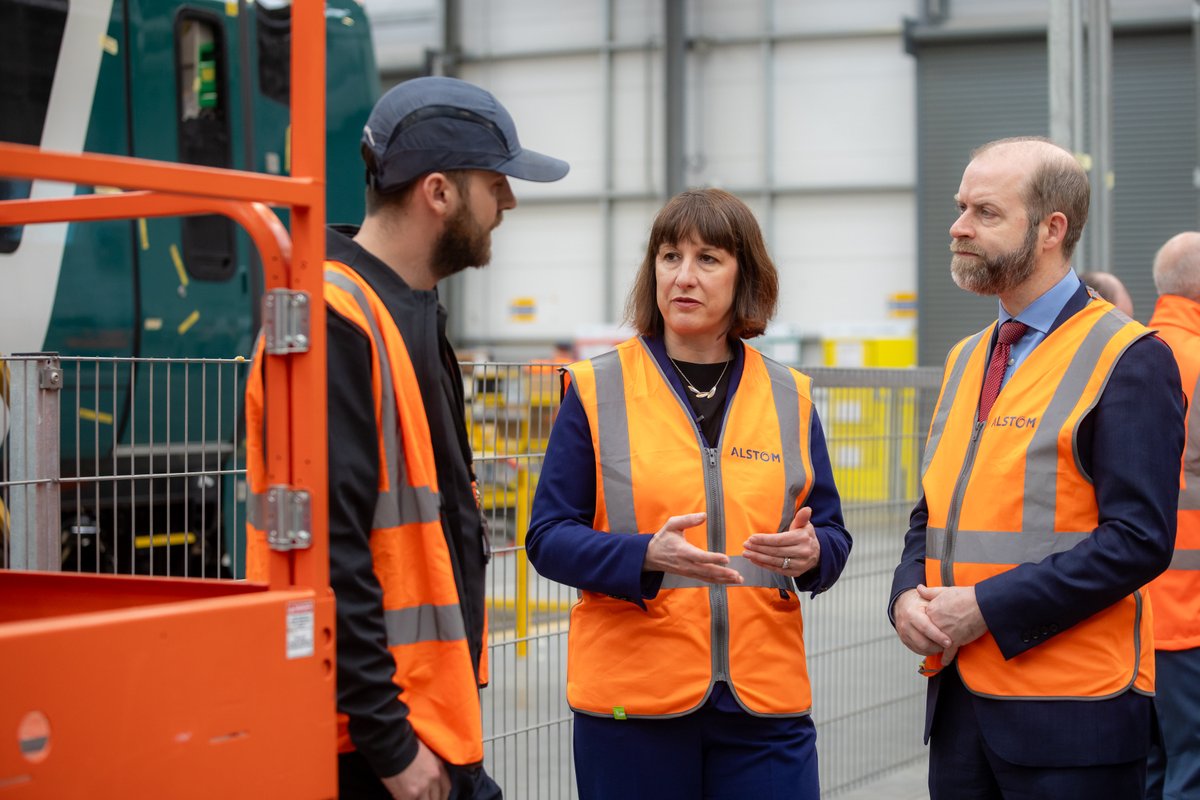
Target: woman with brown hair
[688,494]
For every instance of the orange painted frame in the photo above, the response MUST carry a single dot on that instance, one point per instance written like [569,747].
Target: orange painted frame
[137,687]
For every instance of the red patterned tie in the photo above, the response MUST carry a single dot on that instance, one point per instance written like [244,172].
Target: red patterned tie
[1010,333]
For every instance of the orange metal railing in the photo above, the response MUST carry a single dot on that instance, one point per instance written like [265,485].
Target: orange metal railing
[161,687]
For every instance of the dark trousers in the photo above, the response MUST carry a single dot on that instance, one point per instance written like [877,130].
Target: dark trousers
[1174,764]
[963,767]
[356,781]
[709,755]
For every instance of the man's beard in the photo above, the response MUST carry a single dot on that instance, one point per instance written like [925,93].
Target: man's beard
[993,275]
[464,243]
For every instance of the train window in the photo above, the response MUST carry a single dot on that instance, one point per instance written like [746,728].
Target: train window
[31,33]
[274,26]
[204,136]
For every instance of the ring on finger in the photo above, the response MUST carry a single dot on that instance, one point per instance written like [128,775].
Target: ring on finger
[786,560]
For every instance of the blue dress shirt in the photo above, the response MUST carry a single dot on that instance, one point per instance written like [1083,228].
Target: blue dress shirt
[1039,316]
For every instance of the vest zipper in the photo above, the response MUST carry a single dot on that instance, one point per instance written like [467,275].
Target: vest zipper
[960,488]
[716,537]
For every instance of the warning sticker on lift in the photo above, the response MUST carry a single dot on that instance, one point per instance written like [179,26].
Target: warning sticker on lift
[300,629]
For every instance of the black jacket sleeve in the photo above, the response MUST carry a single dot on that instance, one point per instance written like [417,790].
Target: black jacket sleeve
[366,690]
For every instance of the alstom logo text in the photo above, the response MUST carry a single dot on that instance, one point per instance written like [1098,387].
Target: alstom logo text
[753,455]
[1014,422]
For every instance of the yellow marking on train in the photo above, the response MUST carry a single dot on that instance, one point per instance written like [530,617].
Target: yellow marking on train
[177,260]
[348,21]
[103,417]
[109,45]
[107,190]
[153,324]
[231,8]
[143,233]
[162,539]
[187,324]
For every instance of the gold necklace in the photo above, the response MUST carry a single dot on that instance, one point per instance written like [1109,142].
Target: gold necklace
[699,394]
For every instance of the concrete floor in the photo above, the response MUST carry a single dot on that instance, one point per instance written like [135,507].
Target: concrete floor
[907,783]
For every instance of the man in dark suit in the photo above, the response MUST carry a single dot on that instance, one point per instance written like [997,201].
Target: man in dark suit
[1049,494]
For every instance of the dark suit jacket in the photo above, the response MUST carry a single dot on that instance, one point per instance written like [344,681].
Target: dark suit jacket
[1130,444]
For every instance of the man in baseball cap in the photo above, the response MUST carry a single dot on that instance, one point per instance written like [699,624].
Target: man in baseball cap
[432,124]
[408,547]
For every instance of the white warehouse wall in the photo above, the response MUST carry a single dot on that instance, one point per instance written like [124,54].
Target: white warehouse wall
[813,126]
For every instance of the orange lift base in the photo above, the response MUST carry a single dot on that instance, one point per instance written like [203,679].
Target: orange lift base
[131,687]
[128,687]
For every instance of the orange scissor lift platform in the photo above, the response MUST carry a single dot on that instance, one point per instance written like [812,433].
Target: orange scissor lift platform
[119,686]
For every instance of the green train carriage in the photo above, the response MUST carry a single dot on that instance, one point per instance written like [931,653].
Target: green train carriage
[202,82]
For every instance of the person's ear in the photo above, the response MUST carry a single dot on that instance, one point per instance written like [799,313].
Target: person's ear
[1056,229]
[437,193]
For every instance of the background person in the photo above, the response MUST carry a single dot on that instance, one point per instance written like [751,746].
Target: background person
[407,544]
[1049,489]
[1174,765]
[687,491]
[1109,287]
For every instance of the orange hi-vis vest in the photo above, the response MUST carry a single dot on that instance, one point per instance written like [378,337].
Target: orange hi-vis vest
[1176,592]
[1010,491]
[426,633]
[651,464]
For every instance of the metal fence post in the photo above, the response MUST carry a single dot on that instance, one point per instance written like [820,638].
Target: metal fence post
[36,526]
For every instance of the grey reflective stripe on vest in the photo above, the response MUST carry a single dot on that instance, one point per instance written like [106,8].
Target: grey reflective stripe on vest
[1041,456]
[256,514]
[613,435]
[1189,496]
[1001,547]
[752,575]
[787,409]
[402,503]
[949,392]
[616,459]
[1185,559]
[424,624]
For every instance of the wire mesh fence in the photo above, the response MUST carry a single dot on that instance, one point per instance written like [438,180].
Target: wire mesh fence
[868,703]
[123,465]
[137,466]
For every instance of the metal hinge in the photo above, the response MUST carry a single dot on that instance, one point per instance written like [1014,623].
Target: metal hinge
[50,376]
[285,321]
[287,519]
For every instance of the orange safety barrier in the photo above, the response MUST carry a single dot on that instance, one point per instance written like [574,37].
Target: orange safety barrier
[116,686]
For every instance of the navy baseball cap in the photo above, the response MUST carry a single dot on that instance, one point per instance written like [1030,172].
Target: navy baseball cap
[434,124]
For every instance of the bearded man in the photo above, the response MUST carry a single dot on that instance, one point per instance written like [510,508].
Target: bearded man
[1048,500]
[407,545]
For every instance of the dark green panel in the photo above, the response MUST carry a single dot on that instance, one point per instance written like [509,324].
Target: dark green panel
[1154,148]
[95,303]
[972,92]
[967,94]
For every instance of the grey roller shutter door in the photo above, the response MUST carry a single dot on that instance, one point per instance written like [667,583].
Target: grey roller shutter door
[1154,150]
[969,92]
